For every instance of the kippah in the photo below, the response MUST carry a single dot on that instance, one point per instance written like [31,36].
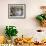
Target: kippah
[42,7]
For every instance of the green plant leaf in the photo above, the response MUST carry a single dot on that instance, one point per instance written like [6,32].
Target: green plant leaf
[40,18]
[10,31]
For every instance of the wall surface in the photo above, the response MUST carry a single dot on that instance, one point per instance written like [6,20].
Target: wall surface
[27,26]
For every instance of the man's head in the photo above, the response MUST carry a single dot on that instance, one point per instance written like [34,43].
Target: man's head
[43,8]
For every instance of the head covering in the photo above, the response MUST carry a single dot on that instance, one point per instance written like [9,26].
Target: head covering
[42,7]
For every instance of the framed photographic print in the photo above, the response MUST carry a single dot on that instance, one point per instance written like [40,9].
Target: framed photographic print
[16,11]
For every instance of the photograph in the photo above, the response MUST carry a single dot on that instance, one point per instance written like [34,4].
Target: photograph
[16,11]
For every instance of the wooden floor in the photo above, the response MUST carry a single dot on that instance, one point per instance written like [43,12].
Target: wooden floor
[30,45]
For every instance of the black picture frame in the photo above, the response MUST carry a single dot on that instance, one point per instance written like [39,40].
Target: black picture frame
[16,11]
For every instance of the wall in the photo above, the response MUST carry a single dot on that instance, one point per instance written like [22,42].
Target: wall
[25,26]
